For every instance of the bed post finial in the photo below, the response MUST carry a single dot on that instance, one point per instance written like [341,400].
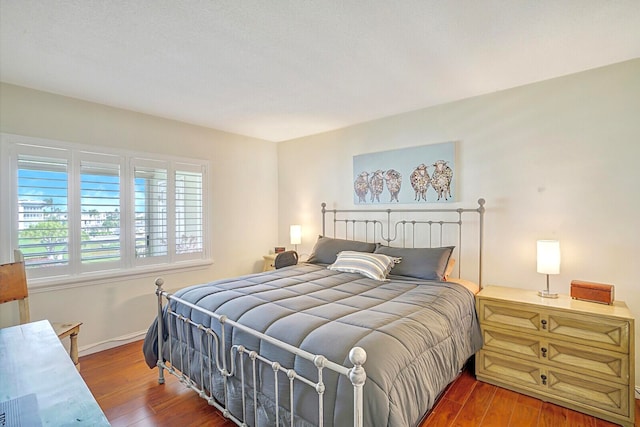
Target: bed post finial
[481,203]
[358,356]
[358,376]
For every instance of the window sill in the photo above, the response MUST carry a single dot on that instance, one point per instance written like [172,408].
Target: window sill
[102,277]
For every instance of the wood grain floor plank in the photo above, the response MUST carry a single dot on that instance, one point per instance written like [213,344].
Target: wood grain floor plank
[500,409]
[525,416]
[145,422]
[577,419]
[460,390]
[443,414]
[552,415]
[527,413]
[129,418]
[476,406]
[122,409]
[603,423]
[524,400]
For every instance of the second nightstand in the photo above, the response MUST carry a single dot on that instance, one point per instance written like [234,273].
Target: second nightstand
[269,262]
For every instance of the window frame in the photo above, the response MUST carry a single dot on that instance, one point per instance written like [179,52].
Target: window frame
[77,273]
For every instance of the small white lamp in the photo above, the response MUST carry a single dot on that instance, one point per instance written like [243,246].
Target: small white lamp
[548,262]
[295,234]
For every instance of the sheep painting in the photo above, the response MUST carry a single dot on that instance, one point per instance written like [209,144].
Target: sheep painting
[361,186]
[394,181]
[420,182]
[376,185]
[441,179]
[426,169]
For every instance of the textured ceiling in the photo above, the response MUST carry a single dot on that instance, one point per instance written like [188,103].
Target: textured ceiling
[282,69]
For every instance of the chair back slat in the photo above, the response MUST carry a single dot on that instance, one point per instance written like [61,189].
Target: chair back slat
[13,282]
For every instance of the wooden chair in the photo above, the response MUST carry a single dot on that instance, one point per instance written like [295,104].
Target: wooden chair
[13,287]
[285,259]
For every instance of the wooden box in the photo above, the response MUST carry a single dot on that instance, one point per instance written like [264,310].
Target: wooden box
[594,292]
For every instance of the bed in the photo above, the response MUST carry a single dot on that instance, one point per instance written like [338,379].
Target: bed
[369,332]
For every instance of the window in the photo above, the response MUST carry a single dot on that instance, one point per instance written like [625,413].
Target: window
[74,210]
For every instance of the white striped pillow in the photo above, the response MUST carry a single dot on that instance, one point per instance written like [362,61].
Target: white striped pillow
[373,266]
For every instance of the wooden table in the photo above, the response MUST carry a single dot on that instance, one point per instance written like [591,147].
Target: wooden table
[33,361]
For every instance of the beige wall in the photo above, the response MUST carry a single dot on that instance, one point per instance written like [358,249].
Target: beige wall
[557,159]
[243,215]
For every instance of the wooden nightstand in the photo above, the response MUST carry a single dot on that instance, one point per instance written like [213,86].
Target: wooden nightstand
[269,262]
[576,354]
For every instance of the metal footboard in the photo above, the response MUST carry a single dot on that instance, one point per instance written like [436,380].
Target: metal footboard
[238,361]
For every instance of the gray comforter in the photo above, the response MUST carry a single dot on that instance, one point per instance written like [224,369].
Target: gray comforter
[417,334]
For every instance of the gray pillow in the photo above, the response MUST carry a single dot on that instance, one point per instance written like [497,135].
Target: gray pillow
[421,263]
[326,249]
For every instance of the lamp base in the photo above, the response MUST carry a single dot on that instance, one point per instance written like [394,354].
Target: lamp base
[546,294]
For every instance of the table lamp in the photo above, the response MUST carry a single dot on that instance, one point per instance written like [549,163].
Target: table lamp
[295,235]
[548,263]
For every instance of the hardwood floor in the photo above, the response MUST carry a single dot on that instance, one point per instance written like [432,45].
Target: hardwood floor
[129,394]
[468,402]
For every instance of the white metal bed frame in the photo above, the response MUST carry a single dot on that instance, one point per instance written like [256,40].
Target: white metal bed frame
[213,346]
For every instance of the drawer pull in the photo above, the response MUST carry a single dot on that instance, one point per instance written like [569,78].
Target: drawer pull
[544,352]
[544,379]
[544,324]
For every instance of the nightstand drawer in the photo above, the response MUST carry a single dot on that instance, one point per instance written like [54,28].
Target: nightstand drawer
[603,364]
[508,315]
[511,342]
[571,388]
[508,370]
[608,396]
[608,333]
[606,365]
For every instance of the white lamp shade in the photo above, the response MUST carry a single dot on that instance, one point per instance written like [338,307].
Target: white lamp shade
[295,234]
[548,256]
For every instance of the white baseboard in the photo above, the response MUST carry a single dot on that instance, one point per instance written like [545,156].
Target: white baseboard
[637,392]
[114,342]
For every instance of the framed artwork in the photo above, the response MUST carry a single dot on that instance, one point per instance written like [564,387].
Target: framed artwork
[424,174]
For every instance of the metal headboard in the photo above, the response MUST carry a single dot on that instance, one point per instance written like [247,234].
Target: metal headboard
[412,228]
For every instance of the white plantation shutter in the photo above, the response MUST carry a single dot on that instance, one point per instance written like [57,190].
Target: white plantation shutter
[189,208]
[150,201]
[43,230]
[168,227]
[100,211]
